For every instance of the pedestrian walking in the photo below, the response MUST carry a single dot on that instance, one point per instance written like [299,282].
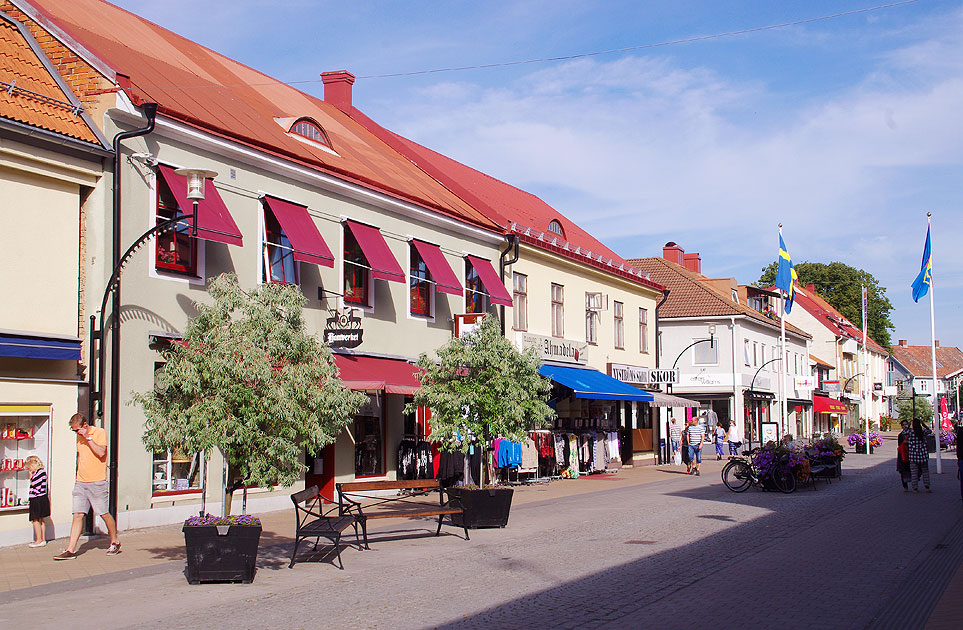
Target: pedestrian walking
[675,438]
[39,501]
[695,435]
[735,442]
[919,455]
[720,440]
[902,455]
[959,456]
[90,489]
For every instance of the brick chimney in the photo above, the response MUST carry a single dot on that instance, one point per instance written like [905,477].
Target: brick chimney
[902,343]
[692,262]
[337,88]
[936,343]
[673,253]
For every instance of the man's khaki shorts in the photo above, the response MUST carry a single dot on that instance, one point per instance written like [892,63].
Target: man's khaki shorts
[90,494]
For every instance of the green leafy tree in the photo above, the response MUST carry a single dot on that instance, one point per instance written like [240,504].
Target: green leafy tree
[838,284]
[924,410]
[484,385]
[247,380]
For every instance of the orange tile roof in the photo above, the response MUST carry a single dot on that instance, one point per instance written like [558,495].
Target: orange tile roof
[819,361]
[692,295]
[199,87]
[35,98]
[918,360]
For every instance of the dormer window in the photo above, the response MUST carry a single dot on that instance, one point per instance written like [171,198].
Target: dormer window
[556,228]
[310,130]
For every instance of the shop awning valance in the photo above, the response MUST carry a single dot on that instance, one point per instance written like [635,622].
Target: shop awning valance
[445,279]
[486,273]
[38,346]
[214,220]
[592,384]
[825,404]
[380,259]
[668,400]
[306,242]
[392,376]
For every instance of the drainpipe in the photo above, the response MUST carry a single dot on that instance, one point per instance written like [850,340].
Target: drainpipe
[663,452]
[150,112]
[513,241]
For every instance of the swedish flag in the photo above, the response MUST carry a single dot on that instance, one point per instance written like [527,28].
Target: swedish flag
[923,281]
[786,274]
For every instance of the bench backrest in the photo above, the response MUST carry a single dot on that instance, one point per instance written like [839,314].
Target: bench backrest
[308,496]
[404,484]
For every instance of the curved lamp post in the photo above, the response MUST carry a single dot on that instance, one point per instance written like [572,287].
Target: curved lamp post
[748,393]
[712,343]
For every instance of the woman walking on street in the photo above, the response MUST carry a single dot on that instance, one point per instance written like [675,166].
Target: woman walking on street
[720,440]
[919,455]
[675,437]
[902,455]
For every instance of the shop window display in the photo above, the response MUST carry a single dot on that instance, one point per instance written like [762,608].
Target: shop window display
[369,439]
[24,431]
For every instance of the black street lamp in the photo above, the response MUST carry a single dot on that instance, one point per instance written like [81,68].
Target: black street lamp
[712,344]
[749,393]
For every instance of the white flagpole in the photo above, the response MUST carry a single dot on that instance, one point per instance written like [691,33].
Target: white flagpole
[863,384]
[783,370]
[936,411]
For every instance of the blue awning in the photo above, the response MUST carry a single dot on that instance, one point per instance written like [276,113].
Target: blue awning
[593,384]
[28,346]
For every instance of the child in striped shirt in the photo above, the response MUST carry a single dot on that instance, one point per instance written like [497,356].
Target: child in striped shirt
[39,501]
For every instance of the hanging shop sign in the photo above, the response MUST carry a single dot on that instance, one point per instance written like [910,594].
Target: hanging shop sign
[343,328]
[804,382]
[553,348]
[877,387]
[831,387]
[642,375]
[770,432]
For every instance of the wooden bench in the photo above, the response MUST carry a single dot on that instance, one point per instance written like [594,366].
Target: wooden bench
[407,503]
[312,523]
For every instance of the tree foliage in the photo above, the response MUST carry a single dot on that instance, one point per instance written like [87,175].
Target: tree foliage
[248,380]
[484,385]
[924,410]
[839,284]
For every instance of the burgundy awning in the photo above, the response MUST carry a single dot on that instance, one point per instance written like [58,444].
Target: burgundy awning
[382,262]
[392,376]
[445,279]
[496,290]
[306,241]
[214,221]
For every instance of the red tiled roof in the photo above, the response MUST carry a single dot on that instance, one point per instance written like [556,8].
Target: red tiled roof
[828,316]
[819,361]
[692,295]
[918,360]
[36,98]
[514,209]
[200,87]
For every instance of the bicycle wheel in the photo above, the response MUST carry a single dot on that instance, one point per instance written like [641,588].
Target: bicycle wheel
[737,475]
[785,481]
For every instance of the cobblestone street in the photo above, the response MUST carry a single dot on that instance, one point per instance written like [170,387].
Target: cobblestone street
[667,554]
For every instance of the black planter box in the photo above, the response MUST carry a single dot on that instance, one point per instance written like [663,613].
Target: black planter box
[228,555]
[488,507]
[861,448]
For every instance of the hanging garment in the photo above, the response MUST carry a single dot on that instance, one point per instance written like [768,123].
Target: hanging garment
[529,458]
[560,442]
[573,451]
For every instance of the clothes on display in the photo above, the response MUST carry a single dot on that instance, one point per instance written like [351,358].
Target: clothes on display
[415,459]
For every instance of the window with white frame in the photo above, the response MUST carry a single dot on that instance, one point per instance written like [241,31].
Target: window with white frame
[619,325]
[173,471]
[278,257]
[558,310]
[705,353]
[519,301]
[591,319]
[755,354]
[745,351]
[644,331]
[420,286]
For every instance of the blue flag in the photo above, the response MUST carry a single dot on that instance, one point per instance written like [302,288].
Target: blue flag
[922,283]
[786,274]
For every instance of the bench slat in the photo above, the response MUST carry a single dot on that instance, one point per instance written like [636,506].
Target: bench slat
[374,515]
[404,484]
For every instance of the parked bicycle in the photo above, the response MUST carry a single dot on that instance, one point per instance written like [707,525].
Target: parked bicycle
[740,473]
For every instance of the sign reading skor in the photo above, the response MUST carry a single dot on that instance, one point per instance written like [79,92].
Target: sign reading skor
[553,348]
[642,375]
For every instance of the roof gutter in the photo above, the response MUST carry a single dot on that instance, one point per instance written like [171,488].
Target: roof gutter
[513,241]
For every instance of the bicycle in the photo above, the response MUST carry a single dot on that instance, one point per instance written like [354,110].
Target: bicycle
[739,473]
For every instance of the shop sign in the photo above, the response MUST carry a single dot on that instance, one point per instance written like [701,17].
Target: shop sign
[343,328]
[831,387]
[890,390]
[554,349]
[877,387]
[770,432]
[705,378]
[642,375]
[466,322]
[804,382]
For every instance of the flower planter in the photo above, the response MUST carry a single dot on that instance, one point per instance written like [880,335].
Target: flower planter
[221,553]
[861,448]
[487,507]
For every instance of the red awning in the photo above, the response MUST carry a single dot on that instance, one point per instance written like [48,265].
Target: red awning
[445,279]
[824,404]
[382,262]
[306,241]
[393,376]
[214,221]
[496,290]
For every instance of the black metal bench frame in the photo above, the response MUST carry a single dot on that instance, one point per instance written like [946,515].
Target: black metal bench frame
[823,469]
[312,523]
[351,493]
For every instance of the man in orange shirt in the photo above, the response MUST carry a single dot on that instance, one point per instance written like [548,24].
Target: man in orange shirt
[90,491]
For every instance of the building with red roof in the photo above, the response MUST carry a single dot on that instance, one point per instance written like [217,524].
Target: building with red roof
[911,370]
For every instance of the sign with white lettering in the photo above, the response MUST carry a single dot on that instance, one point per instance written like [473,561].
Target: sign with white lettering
[831,386]
[554,349]
[343,328]
[637,375]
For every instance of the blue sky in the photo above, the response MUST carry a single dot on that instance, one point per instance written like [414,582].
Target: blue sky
[846,131]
